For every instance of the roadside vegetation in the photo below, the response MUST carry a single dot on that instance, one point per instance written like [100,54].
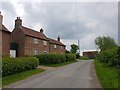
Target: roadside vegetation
[56,60]
[84,58]
[17,65]
[14,69]
[19,76]
[108,76]
[107,63]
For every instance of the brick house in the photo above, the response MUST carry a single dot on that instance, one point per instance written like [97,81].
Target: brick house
[5,39]
[56,46]
[90,54]
[31,42]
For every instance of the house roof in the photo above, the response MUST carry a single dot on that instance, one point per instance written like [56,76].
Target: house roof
[55,42]
[5,29]
[33,33]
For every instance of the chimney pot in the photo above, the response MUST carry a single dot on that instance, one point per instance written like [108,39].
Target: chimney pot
[18,22]
[58,38]
[41,30]
[1,20]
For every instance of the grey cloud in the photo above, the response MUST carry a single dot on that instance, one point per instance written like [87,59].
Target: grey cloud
[9,14]
[73,21]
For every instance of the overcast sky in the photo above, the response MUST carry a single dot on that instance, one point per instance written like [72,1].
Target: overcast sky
[72,21]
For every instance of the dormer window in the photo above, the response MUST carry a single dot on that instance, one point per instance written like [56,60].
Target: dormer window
[35,40]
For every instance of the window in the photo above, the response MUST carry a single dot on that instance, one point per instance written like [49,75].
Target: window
[61,47]
[55,46]
[35,52]
[45,52]
[35,40]
[44,42]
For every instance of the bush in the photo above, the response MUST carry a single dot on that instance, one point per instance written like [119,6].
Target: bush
[16,65]
[55,58]
[70,57]
[51,58]
[78,55]
[110,57]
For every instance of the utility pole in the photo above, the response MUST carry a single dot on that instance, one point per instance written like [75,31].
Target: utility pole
[79,46]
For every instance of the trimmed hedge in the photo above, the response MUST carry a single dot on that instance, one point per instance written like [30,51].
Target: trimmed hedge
[110,57]
[70,57]
[16,65]
[55,58]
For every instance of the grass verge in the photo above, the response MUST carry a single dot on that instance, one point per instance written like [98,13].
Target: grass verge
[57,65]
[108,76]
[19,76]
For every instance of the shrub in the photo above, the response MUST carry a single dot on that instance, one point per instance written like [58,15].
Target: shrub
[70,57]
[55,58]
[16,65]
[51,58]
[110,57]
[78,55]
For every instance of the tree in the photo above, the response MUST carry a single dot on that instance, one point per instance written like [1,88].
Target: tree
[104,43]
[74,48]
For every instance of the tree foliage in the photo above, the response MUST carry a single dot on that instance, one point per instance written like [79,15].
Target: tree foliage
[74,48]
[104,43]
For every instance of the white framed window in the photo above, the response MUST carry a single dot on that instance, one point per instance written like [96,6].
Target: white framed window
[35,40]
[45,52]
[61,47]
[44,42]
[35,52]
[55,46]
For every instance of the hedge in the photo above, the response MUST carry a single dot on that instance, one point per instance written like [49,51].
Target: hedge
[16,65]
[110,57]
[55,58]
[70,57]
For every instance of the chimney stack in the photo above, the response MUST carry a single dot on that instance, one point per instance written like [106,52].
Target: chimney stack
[18,22]
[1,20]
[41,30]
[58,38]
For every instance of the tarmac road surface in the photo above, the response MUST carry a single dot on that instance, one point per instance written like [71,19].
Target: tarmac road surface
[80,74]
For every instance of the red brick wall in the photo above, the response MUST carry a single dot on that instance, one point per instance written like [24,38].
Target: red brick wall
[30,46]
[5,44]
[19,37]
[57,49]
[90,53]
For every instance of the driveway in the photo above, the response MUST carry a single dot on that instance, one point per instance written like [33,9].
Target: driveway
[80,74]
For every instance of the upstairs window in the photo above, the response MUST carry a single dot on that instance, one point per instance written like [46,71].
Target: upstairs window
[61,47]
[35,40]
[44,42]
[55,46]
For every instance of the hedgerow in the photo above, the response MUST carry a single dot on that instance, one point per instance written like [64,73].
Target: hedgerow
[55,58]
[110,57]
[16,65]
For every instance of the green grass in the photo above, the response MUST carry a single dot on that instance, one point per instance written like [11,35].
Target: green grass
[84,58]
[57,65]
[19,76]
[108,76]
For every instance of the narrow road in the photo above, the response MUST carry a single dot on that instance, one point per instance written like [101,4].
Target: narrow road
[80,74]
